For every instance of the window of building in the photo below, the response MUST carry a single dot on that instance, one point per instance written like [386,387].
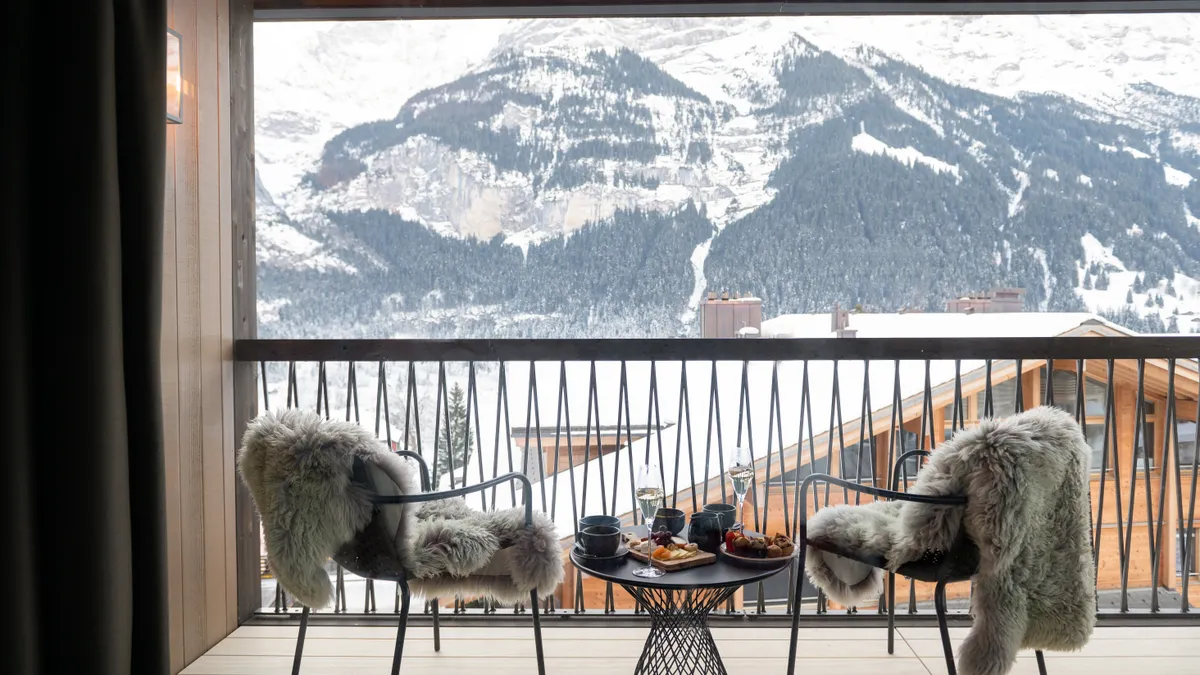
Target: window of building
[1004,399]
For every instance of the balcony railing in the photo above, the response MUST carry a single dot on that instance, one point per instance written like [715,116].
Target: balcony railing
[578,416]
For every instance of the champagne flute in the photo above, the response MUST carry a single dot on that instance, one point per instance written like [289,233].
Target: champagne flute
[741,474]
[650,497]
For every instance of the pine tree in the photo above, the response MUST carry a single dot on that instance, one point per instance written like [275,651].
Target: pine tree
[1129,297]
[1139,285]
[461,444]
[1173,324]
[1158,300]
[1102,281]
[1149,300]
[1087,282]
[1170,289]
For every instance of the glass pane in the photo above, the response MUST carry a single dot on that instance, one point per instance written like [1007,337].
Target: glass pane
[1004,398]
[1187,443]
[1095,438]
[1064,390]
[1095,394]
[911,441]
[855,464]
[1146,440]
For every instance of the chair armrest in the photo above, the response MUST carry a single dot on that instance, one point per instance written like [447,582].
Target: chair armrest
[425,487]
[955,500]
[900,464]
[462,491]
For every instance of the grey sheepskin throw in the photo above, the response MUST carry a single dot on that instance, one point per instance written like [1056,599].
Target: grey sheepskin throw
[1028,511]
[299,468]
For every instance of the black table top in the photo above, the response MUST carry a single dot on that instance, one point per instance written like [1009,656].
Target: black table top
[716,575]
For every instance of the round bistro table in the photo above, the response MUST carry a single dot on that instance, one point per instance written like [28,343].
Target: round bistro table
[678,604]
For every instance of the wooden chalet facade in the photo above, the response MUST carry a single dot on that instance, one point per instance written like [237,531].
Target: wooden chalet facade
[1015,386]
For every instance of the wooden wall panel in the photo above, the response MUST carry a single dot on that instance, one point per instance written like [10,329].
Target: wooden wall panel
[169,363]
[196,342]
[187,298]
[225,243]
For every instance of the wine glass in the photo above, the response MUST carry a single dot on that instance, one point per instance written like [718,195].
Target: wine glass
[741,474]
[650,497]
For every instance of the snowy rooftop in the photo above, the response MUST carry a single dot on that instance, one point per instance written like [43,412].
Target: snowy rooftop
[934,325]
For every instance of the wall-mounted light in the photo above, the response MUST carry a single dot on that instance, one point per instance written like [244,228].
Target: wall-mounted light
[174,77]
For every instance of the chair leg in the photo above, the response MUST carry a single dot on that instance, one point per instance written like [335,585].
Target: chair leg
[791,669]
[1041,660]
[891,610]
[537,631]
[939,602]
[405,599]
[437,628]
[300,642]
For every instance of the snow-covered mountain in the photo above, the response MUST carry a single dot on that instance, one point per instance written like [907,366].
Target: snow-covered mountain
[632,163]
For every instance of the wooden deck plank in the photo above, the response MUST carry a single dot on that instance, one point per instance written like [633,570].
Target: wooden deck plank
[548,633]
[731,648]
[590,650]
[600,665]
[1095,649]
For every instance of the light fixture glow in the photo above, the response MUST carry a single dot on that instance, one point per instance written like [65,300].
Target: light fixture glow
[174,77]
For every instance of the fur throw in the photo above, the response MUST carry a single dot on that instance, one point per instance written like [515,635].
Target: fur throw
[1026,479]
[299,468]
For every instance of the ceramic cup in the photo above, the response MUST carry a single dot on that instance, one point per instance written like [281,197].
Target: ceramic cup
[726,512]
[589,521]
[600,540]
[671,519]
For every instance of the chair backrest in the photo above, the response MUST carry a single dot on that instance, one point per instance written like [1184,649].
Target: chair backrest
[374,553]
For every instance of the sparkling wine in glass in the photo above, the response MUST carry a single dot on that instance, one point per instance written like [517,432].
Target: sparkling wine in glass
[741,475]
[650,498]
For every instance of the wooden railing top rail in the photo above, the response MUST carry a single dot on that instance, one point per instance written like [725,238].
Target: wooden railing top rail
[842,349]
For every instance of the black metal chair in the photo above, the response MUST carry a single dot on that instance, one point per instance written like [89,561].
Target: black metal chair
[371,554]
[958,564]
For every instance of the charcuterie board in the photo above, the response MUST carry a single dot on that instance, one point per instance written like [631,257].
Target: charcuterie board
[699,559]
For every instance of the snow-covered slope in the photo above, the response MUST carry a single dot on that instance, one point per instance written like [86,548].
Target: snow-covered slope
[311,80]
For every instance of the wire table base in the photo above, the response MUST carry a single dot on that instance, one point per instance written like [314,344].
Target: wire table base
[680,641]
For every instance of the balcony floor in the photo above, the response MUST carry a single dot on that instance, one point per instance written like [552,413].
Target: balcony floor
[588,650]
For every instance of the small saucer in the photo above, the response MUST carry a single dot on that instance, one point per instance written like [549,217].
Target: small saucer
[622,550]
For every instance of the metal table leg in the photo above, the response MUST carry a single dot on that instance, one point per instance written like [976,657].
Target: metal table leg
[680,642]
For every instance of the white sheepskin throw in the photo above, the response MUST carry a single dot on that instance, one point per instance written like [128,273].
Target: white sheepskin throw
[1026,479]
[299,468]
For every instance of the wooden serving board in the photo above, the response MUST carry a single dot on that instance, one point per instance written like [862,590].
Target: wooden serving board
[699,560]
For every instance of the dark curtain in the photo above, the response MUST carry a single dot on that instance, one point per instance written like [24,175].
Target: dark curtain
[82,544]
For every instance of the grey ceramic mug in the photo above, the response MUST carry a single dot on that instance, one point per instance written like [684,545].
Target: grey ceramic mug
[589,521]
[600,540]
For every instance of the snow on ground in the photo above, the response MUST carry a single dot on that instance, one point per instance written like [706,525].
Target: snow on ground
[1176,177]
[908,156]
[1192,220]
[1085,180]
[1138,154]
[1051,174]
[1014,202]
[1186,298]
[284,246]
[1047,278]
[698,257]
